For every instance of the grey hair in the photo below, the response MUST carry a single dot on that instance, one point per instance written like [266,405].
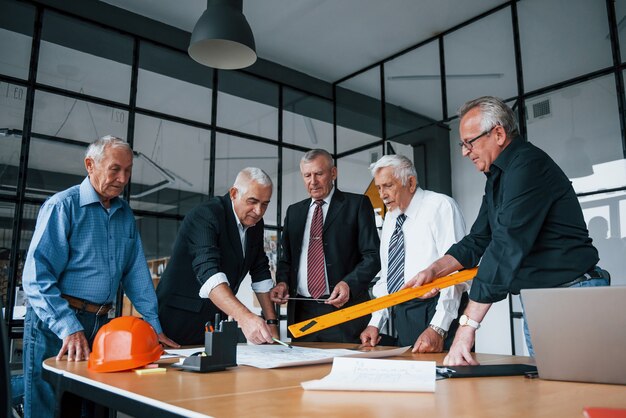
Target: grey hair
[96,149]
[494,112]
[318,152]
[403,168]
[248,175]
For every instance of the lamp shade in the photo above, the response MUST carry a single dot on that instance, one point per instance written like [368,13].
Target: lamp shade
[222,37]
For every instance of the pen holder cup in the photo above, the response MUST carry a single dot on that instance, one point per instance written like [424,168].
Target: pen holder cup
[220,350]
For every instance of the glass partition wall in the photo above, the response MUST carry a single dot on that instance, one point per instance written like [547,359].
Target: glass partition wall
[558,65]
[66,80]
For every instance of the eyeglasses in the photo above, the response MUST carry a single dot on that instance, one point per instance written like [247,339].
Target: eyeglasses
[468,144]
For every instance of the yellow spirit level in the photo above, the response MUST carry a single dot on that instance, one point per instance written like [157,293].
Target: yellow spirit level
[344,315]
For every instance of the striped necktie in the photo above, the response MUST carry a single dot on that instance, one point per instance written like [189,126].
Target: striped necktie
[316,276]
[395,269]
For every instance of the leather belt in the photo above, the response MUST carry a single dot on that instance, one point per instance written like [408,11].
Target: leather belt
[595,273]
[85,305]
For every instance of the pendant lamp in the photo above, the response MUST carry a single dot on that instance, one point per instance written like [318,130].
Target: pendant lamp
[222,37]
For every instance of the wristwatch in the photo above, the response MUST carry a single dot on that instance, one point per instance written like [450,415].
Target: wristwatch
[465,320]
[439,331]
[271,321]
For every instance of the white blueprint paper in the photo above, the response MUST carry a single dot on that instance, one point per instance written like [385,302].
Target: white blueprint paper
[275,356]
[365,374]
[270,356]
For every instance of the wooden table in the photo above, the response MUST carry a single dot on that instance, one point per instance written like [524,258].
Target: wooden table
[249,392]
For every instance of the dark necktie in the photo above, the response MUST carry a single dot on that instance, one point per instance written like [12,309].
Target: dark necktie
[395,269]
[316,277]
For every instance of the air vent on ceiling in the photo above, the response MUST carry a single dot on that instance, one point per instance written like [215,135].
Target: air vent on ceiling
[539,110]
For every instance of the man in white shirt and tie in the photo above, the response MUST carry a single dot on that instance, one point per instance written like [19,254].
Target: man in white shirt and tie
[419,227]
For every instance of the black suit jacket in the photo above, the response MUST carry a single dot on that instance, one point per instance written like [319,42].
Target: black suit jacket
[351,246]
[207,243]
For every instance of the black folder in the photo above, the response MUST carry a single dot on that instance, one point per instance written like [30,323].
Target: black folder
[486,370]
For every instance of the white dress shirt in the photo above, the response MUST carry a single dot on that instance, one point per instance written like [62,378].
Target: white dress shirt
[303,285]
[219,277]
[433,223]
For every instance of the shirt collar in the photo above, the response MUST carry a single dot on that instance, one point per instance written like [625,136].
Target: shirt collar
[326,199]
[239,224]
[88,196]
[508,154]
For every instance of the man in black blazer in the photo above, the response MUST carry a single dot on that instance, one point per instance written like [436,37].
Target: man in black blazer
[350,251]
[219,242]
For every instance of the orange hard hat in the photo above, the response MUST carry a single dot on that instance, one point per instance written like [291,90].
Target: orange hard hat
[124,343]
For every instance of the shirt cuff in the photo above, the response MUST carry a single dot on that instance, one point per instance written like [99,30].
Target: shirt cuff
[442,319]
[212,283]
[448,306]
[155,324]
[66,326]
[263,286]
[379,319]
[458,253]
[487,293]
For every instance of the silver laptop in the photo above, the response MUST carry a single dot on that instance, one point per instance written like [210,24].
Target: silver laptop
[578,334]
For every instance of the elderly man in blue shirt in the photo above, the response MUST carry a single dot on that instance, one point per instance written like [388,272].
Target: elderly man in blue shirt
[85,243]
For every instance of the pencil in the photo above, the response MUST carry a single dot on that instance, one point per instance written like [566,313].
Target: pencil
[276,340]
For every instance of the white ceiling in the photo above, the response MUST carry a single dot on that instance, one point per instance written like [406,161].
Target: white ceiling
[327,39]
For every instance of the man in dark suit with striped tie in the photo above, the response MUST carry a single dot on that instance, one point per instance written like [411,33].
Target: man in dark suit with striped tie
[219,242]
[329,251]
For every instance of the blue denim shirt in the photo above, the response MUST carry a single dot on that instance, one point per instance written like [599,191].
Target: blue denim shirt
[80,248]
